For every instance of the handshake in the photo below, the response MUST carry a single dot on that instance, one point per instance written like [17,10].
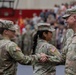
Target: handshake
[43,57]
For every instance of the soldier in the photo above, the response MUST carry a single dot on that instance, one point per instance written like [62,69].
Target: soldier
[60,32]
[69,51]
[41,45]
[10,53]
[27,40]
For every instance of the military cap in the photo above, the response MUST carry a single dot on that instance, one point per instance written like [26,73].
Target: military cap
[69,12]
[7,24]
[45,26]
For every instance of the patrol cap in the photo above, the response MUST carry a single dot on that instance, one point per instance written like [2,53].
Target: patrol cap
[7,24]
[69,12]
[45,26]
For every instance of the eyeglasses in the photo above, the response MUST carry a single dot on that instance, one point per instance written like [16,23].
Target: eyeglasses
[12,30]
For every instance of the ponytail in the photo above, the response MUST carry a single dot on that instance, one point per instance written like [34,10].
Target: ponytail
[39,34]
[35,42]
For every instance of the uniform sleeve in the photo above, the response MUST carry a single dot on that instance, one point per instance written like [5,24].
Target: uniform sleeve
[74,52]
[64,52]
[54,54]
[65,49]
[16,53]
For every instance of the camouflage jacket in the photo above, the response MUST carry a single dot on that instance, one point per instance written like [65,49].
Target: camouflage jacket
[69,33]
[10,54]
[27,43]
[69,56]
[47,68]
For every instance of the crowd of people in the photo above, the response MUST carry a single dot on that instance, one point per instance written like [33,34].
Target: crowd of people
[52,16]
[46,41]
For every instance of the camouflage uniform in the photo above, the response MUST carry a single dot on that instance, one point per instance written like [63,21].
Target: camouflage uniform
[69,33]
[10,53]
[69,51]
[69,54]
[47,68]
[27,42]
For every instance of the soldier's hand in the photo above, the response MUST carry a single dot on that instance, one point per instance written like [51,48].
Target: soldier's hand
[43,57]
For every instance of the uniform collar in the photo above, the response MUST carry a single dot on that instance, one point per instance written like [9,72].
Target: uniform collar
[41,40]
[5,38]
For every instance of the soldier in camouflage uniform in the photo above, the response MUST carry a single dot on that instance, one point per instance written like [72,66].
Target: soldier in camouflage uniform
[41,45]
[69,51]
[27,40]
[10,53]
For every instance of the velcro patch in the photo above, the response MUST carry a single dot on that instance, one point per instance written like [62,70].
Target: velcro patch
[53,49]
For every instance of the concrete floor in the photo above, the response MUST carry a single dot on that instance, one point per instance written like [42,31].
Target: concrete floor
[28,70]
[24,70]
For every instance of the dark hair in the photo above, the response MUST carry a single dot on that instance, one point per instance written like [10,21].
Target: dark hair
[40,35]
[2,30]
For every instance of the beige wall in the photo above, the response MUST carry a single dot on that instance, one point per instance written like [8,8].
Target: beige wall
[38,4]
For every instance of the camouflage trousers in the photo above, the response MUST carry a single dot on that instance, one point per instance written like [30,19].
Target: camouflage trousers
[53,73]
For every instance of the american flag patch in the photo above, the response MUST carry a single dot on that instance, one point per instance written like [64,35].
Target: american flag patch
[53,49]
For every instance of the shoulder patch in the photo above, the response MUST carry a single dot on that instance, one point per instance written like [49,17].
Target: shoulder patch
[53,49]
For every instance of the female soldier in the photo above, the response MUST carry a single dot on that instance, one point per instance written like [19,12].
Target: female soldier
[41,45]
[10,53]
